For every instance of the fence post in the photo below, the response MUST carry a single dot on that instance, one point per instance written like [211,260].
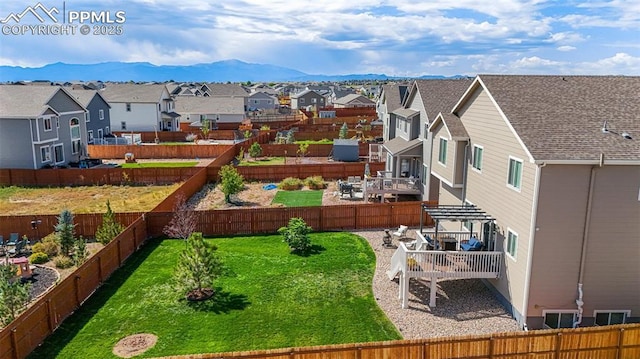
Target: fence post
[50,314]
[620,337]
[558,345]
[14,342]
[100,269]
[491,344]
[77,289]
[119,256]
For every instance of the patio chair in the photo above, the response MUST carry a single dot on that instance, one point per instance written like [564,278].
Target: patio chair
[473,245]
[14,238]
[17,249]
[401,233]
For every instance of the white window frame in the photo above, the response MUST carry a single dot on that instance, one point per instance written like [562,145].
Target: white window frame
[626,313]
[301,100]
[475,164]
[57,121]
[100,134]
[90,136]
[507,248]
[513,186]
[127,106]
[442,154]
[46,124]
[107,130]
[123,125]
[101,114]
[45,154]
[559,312]
[61,152]
[87,117]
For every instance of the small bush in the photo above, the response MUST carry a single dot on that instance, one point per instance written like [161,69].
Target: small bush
[290,184]
[63,262]
[48,246]
[315,182]
[38,258]
[191,137]
[296,235]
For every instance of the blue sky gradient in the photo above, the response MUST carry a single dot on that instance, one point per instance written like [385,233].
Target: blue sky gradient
[394,37]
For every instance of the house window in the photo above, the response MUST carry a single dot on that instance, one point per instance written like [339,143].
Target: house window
[47,123]
[90,136]
[100,133]
[159,108]
[58,153]
[512,243]
[87,117]
[559,319]
[128,105]
[123,125]
[442,154]
[314,100]
[515,173]
[611,317]
[406,123]
[57,119]
[101,114]
[107,130]
[477,157]
[45,153]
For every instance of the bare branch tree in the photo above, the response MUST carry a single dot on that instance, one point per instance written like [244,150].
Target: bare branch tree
[183,222]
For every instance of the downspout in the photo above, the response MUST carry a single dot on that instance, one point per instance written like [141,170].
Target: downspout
[532,235]
[585,241]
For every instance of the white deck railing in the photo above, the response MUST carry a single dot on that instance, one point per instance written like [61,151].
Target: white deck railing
[459,236]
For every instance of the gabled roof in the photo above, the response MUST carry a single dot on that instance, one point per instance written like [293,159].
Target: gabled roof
[27,101]
[399,145]
[560,118]
[86,96]
[305,92]
[354,98]
[226,90]
[453,125]
[210,105]
[405,112]
[394,94]
[440,95]
[146,93]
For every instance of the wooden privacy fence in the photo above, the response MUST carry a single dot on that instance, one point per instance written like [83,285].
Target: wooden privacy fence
[157,151]
[324,218]
[86,224]
[94,176]
[180,136]
[314,150]
[611,342]
[332,171]
[27,331]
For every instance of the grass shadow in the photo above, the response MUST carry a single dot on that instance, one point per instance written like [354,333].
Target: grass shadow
[221,302]
[73,324]
[313,250]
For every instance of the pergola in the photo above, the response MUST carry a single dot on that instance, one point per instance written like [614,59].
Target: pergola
[457,213]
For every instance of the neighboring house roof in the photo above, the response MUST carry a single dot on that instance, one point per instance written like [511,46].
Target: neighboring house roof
[26,101]
[304,93]
[405,112]
[151,93]
[86,96]
[440,95]
[453,124]
[263,95]
[354,98]
[394,94]
[399,145]
[210,105]
[561,117]
[217,89]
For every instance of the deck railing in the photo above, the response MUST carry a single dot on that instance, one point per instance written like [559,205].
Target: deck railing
[458,236]
[385,184]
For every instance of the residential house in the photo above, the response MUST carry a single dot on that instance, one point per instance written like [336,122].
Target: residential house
[98,121]
[261,101]
[218,110]
[145,107]
[307,98]
[408,149]
[391,98]
[353,100]
[556,161]
[40,126]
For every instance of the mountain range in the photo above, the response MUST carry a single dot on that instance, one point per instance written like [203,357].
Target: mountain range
[221,71]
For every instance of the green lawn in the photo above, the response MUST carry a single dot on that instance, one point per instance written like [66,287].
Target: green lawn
[324,141]
[160,164]
[299,198]
[264,161]
[268,298]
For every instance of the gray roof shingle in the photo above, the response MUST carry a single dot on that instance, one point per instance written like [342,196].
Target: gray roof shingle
[440,95]
[24,101]
[209,105]
[140,93]
[394,94]
[455,126]
[561,117]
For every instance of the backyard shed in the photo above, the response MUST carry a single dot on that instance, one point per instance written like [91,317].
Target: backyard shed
[345,150]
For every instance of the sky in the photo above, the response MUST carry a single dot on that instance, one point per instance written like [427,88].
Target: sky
[334,37]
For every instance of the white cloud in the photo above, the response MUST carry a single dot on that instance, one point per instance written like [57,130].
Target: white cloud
[566,48]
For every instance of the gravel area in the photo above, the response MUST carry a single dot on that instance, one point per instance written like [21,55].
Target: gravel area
[43,278]
[464,306]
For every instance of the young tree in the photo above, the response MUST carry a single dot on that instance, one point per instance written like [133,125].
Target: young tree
[343,131]
[206,128]
[109,228]
[183,222]
[302,149]
[198,267]
[255,150]
[66,232]
[296,235]
[14,295]
[231,182]
[80,252]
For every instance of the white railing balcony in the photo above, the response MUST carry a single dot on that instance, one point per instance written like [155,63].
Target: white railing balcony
[445,264]
[448,240]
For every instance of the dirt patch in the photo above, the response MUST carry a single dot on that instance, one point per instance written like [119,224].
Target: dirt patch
[134,345]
